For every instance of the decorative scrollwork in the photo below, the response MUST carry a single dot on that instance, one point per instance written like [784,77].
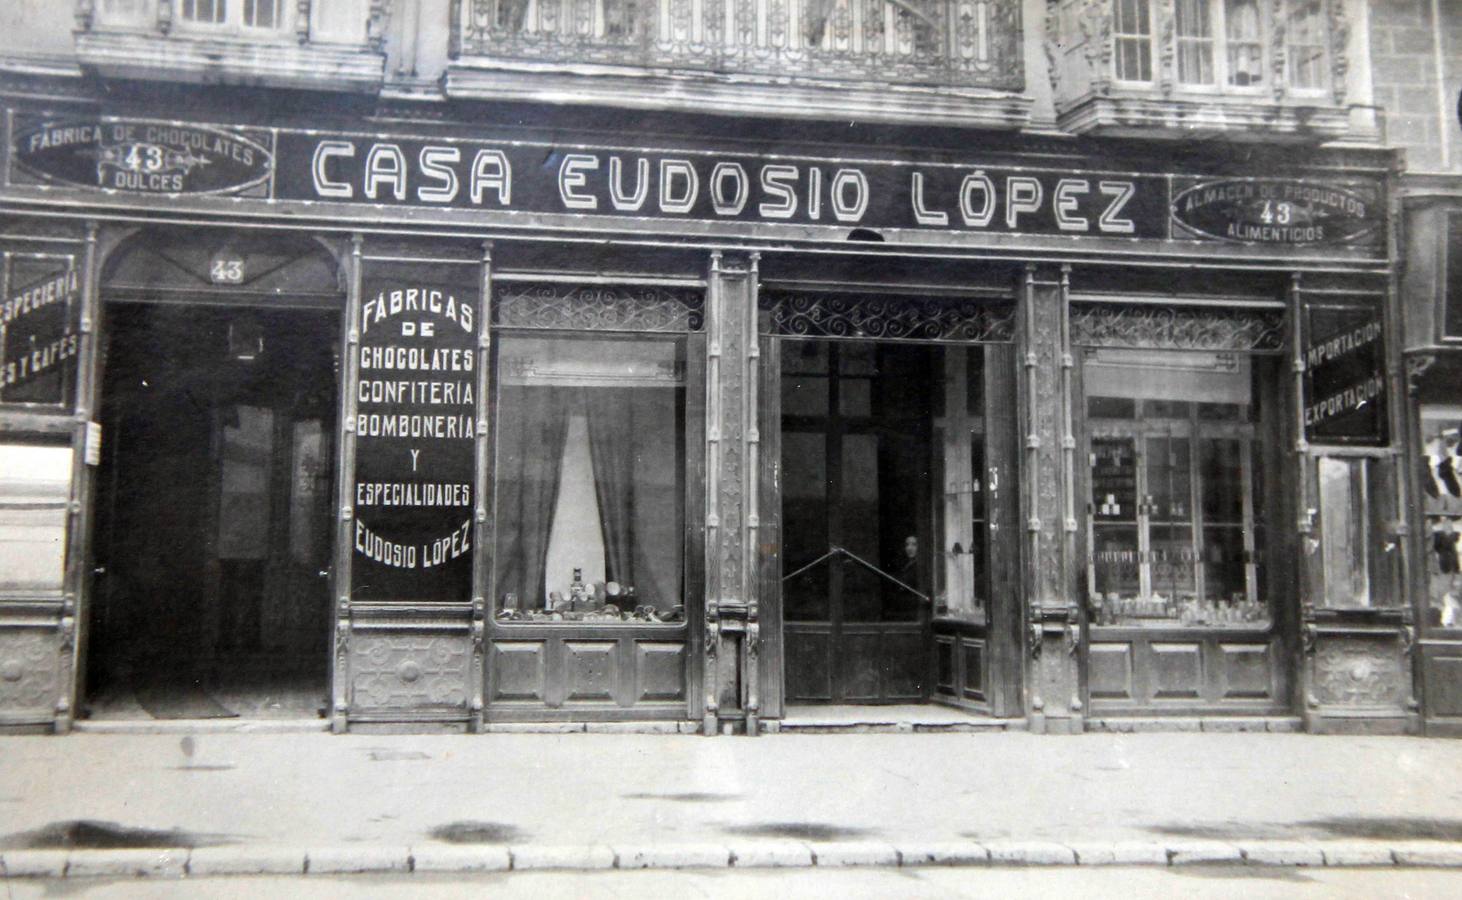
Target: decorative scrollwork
[616,308]
[1176,328]
[961,42]
[889,317]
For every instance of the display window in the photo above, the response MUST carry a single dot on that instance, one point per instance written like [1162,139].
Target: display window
[1176,514]
[1441,481]
[590,479]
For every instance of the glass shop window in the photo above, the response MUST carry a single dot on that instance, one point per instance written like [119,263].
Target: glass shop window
[590,497]
[1175,517]
[962,531]
[35,487]
[1441,483]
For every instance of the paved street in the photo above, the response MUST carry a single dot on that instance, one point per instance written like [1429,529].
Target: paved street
[842,884]
[287,803]
[606,789]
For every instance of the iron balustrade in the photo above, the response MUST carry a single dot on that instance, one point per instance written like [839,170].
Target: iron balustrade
[969,43]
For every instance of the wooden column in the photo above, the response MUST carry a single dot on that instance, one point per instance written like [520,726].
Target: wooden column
[1047,502]
[732,620]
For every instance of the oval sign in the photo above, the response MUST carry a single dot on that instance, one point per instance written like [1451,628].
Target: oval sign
[1276,212]
[143,156]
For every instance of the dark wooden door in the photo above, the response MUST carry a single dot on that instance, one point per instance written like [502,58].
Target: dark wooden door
[855,522]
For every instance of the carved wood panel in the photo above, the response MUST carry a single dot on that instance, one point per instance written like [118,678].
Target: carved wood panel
[410,671]
[1359,672]
[30,671]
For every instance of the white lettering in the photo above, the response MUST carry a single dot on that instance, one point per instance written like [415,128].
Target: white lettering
[625,202]
[719,201]
[1023,194]
[436,163]
[670,202]
[320,169]
[922,214]
[1066,204]
[385,164]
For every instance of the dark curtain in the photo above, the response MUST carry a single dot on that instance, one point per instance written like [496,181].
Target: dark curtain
[532,422]
[634,445]
[613,434]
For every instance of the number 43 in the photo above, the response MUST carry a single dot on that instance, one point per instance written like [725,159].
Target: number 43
[1275,213]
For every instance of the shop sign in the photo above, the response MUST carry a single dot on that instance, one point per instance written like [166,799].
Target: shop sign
[1277,212]
[1344,376]
[40,340]
[145,156]
[712,186]
[415,435]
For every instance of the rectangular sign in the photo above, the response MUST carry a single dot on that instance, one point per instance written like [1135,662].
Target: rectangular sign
[701,185]
[39,351]
[1345,376]
[416,406]
[967,193]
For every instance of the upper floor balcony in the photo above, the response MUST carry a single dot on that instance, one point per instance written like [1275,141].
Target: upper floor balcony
[314,44]
[958,61]
[1248,69]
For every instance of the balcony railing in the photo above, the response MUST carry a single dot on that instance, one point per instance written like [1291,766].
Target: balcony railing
[962,43]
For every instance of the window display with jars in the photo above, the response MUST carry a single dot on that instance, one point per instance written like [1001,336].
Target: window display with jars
[1177,508]
[590,496]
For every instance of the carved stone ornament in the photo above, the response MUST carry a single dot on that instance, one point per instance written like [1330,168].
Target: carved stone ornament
[1339,41]
[1358,673]
[612,308]
[1175,328]
[1052,44]
[380,17]
[865,316]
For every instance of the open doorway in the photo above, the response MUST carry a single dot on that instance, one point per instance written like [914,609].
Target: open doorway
[213,532]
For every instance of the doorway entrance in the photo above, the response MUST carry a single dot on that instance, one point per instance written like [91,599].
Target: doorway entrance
[891,514]
[214,534]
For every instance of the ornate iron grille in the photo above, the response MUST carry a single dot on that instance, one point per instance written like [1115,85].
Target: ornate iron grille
[1176,328]
[953,42]
[876,316]
[614,308]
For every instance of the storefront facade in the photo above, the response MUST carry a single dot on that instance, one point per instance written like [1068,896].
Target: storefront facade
[429,424]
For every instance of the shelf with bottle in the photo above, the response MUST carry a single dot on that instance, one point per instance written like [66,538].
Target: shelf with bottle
[1157,611]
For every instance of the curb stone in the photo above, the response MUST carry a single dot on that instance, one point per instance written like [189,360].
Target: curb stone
[1357,853]
[171,862]
[233,860]
[246,860]
[1189,853]
[1282,853]
[564,857]
[1425,853]
[854,853]
[770,855]
[673,856]
[943,853]
[350,860]
[460,858]
[1120,853]
[33,863]
[1030,853]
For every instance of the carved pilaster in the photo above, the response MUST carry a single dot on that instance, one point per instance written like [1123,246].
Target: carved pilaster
[380,17]
[1053,615]
[1339,49]
[1052,45]
[1278,80]
[1167,46]
[732,516]
[164,16]
[85,10]
[302,21]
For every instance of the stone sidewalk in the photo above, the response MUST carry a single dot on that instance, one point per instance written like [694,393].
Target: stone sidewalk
[236,803]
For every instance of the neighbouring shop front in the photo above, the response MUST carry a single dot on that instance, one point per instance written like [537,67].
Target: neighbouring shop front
[416,430]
